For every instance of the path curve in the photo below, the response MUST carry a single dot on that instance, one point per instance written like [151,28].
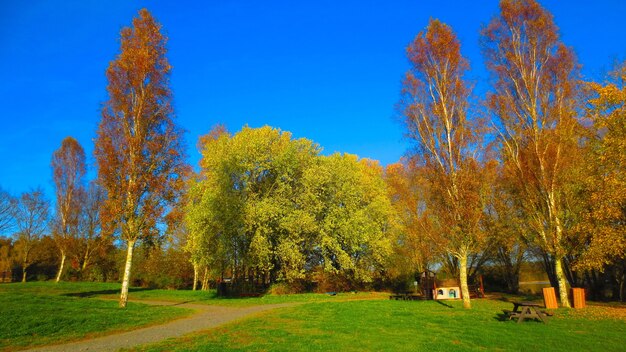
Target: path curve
[206,317]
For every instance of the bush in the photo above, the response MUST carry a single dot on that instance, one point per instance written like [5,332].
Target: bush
[285,288]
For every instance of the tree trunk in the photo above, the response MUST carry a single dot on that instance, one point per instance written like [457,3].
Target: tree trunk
[621,280]
[125,281]
[463,278]
[562,281]
[195,276]
[23,274]
[60,272]
[85,261]
[205,279]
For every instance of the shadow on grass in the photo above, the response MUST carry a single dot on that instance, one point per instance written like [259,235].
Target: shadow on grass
[88,294]
[501,317]
[444,304]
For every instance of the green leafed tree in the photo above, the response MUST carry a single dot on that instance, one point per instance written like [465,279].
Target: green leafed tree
[242,215]
[352,216]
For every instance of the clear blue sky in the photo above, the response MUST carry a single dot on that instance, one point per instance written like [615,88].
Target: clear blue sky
[329,71]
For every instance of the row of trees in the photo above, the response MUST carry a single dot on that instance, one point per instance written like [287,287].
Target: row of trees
[539,180]
[74,225]
[536,171]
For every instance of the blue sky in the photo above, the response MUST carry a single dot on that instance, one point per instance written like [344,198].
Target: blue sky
[329,71]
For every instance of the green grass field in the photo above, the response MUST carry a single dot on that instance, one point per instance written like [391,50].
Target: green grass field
[40,313]
[384,325]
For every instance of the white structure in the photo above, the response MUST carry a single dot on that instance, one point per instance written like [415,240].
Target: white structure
[447,293]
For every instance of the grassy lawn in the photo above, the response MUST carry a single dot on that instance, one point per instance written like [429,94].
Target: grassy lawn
[41,313]
[44,313]
[210,297]
[384,325]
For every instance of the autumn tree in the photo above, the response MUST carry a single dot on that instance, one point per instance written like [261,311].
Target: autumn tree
[30,212]
[6,259]
[504,223]
[435,106]
[413,249]
[139,148]
[534,90]
[68,170]
[604,225]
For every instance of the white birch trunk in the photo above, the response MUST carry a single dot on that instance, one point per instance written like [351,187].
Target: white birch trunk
[205,279]
[195,276]
[125,281]
[463,278]
[60,272]
[562,281]
[85,260]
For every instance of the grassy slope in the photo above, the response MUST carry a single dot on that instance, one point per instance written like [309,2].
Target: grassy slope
[42,313]
[409,326]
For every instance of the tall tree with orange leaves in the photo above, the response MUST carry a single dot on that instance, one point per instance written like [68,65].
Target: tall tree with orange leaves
[414,252]
[534,98]
[139,148]
[435,105]
[604,225]
[68,170]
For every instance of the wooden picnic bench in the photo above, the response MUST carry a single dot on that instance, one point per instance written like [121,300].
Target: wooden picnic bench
[405,297]
[527,310]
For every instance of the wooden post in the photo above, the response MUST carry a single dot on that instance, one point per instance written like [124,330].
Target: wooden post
[578,297]
[549,298]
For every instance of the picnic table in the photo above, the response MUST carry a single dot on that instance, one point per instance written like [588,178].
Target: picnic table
[527,310]
[405,297]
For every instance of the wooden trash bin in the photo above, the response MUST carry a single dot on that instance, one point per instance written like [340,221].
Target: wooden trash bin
[549,298]
[578,297]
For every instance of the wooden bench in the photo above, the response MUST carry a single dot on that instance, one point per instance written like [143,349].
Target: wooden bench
[405,297]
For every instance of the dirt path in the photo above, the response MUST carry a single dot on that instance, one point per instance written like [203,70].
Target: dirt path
[205,317]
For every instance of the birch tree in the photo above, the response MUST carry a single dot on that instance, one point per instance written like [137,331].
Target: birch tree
[435,106]
[534,88]
[139,148]
[68,170]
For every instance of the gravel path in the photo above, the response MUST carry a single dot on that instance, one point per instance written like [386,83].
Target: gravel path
[205,317]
